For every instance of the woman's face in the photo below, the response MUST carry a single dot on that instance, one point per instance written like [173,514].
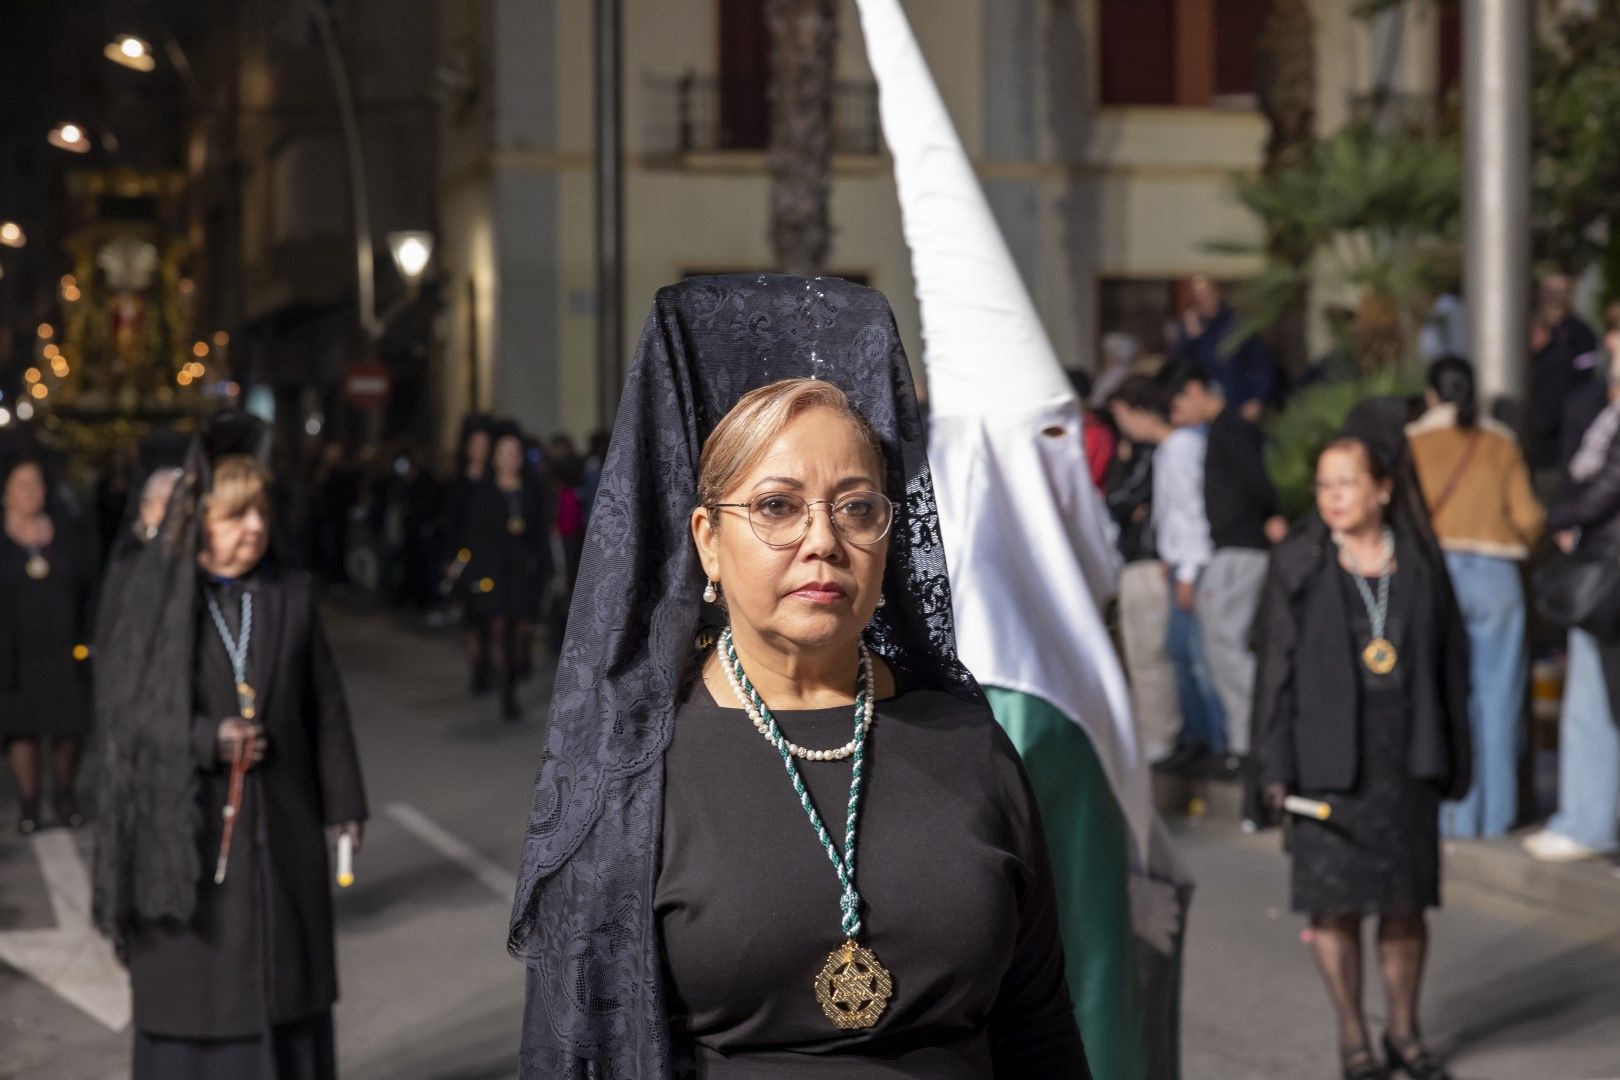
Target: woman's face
[25,491]
[477,449]
[821,591]
[1347,496]
[509,455]
[234,543]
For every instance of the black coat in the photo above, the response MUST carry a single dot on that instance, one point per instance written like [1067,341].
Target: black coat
[1555,375]
[259,948]
[44,682]
[1307,690]
[506,574]
[1593,506]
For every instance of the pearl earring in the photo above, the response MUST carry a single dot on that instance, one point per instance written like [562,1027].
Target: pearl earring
[882,600]
[710,594]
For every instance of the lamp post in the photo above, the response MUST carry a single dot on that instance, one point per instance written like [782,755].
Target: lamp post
[12,235]
[1496,199]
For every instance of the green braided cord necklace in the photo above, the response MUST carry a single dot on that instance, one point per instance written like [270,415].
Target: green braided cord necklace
[853,989]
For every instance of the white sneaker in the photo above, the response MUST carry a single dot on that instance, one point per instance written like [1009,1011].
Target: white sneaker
[1552,847]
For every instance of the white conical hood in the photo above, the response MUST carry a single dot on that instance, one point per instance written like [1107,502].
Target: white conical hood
[986,347]
[1027,537]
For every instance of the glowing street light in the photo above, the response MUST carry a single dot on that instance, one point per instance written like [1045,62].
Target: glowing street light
[12,235]
[32,375]
[127,50]
[412,250]
[39,390]
[25,410]
[70,137]
[46,331]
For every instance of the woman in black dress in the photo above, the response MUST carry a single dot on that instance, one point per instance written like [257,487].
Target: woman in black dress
[506,555]
[229,944]
[690,904]
[467,478]
[46,581]
[1356,610]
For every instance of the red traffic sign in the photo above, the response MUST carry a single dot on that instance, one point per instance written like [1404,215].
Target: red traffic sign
[367,384]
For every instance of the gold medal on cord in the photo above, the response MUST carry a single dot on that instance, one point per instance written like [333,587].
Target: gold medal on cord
[1379,656]
[38,567]
[853,989]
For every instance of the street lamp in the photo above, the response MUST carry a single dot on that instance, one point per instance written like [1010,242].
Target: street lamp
[12,235]
[70,137]
[127,50]
[411,249]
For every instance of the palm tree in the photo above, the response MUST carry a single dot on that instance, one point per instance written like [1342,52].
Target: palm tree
[1286,62]
[804,40]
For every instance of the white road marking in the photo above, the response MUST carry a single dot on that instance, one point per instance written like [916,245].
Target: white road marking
[499,881]
[72,959]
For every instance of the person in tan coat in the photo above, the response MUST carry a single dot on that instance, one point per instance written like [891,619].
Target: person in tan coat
[1487,518]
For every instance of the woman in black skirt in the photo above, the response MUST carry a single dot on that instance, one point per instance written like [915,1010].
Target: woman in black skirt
[46,582]
[506,545]
[1355,611]
[221,691]
[460,492]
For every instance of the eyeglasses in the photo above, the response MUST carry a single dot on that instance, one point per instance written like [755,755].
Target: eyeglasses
[781,519]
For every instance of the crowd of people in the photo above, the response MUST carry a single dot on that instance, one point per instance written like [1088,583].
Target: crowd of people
[1186,481]
[1372,658]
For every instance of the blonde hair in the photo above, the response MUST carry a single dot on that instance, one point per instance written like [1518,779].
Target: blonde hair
[743,436]
[240,483]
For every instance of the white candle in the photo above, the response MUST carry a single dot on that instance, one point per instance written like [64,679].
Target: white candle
[1310,808]
[345,860]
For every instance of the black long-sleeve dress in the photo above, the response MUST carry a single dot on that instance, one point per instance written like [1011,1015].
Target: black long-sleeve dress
[507,540]
[953,868]
[245,988]
[1383,750]
[44,620]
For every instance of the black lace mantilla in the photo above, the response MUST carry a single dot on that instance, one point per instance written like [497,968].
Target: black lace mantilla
[583,918]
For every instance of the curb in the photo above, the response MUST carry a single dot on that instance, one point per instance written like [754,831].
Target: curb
[1588,889]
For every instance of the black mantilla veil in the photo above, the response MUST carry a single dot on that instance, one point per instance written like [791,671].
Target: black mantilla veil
[157,452]
[147,861]
[582,917]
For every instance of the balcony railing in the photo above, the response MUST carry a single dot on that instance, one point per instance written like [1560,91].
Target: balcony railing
[694,114]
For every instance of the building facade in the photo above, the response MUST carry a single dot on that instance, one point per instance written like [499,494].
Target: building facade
[1106,133]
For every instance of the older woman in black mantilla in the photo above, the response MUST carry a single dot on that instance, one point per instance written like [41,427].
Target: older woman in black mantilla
[221,692]
[46,583]
[1358,609]
[680,909]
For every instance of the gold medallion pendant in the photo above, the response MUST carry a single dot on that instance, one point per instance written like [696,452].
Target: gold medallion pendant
[1379,656]
[38,567]
[515,526]
[853,988]
[246,701]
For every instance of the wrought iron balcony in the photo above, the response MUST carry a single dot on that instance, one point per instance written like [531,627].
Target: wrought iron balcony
[694,114]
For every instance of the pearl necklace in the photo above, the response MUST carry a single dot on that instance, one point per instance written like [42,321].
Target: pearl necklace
[747,696]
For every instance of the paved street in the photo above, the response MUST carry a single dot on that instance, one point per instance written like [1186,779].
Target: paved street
[1518,992]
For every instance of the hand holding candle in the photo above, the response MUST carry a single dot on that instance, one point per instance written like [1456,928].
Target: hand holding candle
[1311,808]
[347,836]
[345,860]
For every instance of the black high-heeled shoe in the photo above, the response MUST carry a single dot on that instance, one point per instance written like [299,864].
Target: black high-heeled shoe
[1415,1061]
[28,819]
[68,813]
[1360,1063]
